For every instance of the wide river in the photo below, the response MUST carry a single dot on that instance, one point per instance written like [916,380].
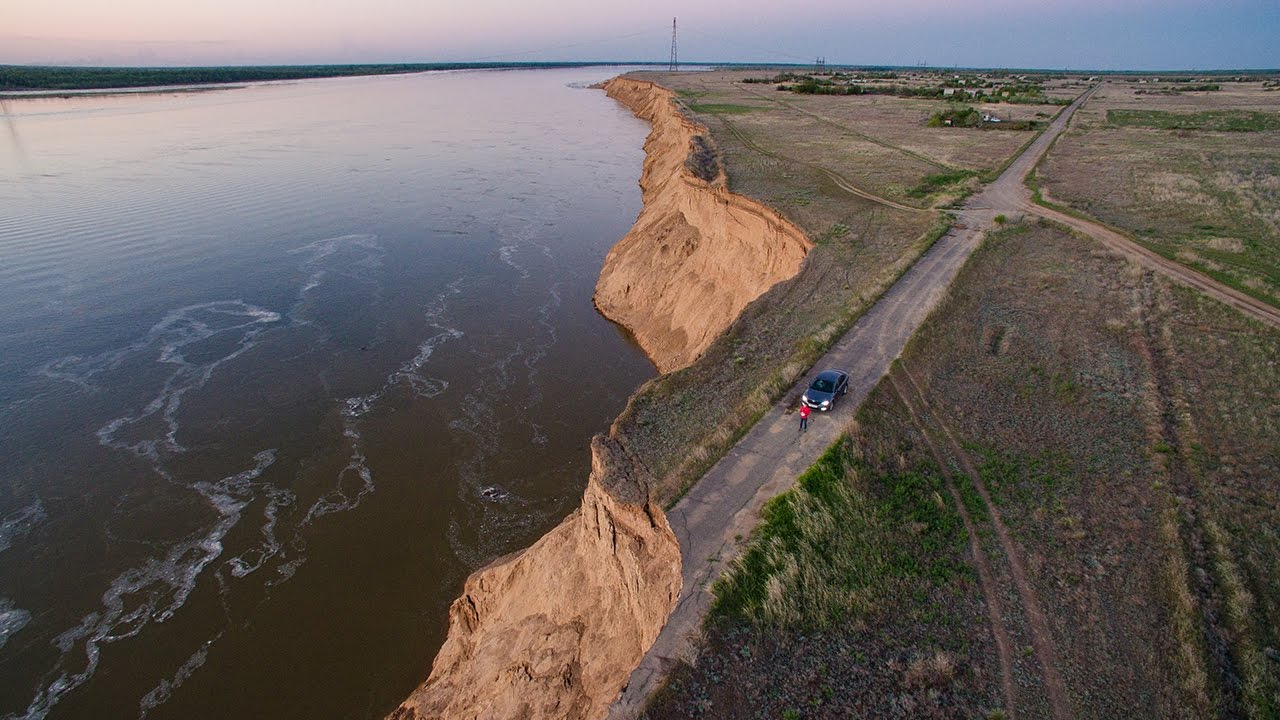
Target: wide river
[279,366]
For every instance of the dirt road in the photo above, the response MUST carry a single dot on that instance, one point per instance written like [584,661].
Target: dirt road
[724,507]
[1009,195]
[1175,271]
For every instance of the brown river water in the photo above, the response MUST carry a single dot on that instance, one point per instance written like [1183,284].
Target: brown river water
[279,366]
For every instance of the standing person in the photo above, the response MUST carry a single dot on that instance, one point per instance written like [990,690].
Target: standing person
[804,417]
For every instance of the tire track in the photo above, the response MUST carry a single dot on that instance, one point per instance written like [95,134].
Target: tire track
[1171,424]
[841,181]
[1037,624]
[856,133]
[995,615]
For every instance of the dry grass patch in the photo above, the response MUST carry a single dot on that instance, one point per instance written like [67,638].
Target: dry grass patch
[846,133]
[852,600]
[1207,197]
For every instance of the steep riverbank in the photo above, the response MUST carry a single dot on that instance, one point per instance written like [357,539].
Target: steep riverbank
[697,253]
[554,631]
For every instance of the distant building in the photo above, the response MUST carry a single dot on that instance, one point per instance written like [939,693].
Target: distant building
[948,92]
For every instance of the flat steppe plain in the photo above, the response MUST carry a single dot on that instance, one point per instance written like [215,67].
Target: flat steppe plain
[1194,175]
[1062,499]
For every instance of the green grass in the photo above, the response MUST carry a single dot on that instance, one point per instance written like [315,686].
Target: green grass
[937,182]
[846,542]
[1222,120]
[722,108]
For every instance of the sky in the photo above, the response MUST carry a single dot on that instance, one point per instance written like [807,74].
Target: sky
[1052,34]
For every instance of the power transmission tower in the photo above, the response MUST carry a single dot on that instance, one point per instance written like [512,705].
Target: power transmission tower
[819,65]
[674,62]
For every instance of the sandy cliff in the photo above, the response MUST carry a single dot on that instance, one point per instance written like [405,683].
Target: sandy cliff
[555,630]
[697,253]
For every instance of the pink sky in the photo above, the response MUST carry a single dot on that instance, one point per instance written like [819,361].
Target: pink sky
[1175,33]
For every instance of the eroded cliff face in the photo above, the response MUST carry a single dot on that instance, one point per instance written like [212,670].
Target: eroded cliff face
[554,631]
[697,253]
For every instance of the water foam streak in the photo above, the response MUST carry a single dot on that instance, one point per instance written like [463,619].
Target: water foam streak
[20,523]
[150,592]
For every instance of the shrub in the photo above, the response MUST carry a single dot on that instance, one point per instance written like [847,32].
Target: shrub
[961,116]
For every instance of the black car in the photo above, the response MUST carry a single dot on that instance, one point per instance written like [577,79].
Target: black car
[823,391]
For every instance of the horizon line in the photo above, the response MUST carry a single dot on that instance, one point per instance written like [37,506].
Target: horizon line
[480,64]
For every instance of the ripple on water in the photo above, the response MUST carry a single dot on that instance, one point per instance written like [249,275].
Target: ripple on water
[193,344]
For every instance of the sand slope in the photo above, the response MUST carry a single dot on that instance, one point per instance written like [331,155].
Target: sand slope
[697,253]
[555,630]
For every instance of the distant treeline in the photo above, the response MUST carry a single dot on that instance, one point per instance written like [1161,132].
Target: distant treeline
[1021,92]
[30,77]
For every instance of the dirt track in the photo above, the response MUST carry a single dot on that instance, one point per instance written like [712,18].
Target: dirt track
[1174,270]
[990,593]
[841,181]
[1029,602]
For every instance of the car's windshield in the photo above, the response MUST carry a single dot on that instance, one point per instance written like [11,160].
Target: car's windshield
[822,385]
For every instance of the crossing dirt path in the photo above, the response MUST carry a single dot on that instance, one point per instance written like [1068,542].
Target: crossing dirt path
[1247,304]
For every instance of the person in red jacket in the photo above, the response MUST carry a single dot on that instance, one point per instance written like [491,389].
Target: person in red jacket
[804,417]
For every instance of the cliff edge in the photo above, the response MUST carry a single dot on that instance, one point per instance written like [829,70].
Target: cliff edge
[554,631]
[697,253]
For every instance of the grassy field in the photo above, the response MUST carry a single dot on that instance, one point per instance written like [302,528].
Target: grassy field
[1214,120]
[1126,431]
[881,143]
[1193,175]
[854,600]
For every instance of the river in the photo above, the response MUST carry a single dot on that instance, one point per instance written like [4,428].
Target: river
[280,365]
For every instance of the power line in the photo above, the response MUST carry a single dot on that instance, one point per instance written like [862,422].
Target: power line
[560,47]
[745,46]
[674,62]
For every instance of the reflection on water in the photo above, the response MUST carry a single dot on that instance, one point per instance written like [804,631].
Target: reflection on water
[279,366]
